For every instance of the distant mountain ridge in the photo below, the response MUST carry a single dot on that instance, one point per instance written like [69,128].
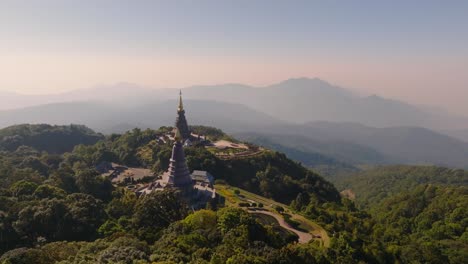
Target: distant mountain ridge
[324,142]
[297,100]
[358,130]
[358,144]
[119,117]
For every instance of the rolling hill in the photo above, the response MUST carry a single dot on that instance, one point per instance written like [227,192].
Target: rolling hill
[53,139]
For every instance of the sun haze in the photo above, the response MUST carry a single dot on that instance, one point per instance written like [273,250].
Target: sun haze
[414,51]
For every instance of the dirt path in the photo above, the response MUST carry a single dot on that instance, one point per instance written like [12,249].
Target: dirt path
[303,237]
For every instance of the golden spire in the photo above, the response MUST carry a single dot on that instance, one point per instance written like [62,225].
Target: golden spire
[181,105]
[177,135]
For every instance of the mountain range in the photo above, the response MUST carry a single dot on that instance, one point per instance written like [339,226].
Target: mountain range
[357,144]
[297,100]
[119,117]
[285,116]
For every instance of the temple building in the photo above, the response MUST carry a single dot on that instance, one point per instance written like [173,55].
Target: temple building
[198,187]
[203,177]
[181,121]
[178,174]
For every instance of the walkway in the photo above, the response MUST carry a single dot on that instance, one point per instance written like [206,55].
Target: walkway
[303,237]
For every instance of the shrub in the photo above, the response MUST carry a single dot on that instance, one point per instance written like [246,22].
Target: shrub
[279,209]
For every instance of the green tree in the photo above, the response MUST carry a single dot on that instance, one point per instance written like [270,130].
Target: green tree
[23,187]
[158,210]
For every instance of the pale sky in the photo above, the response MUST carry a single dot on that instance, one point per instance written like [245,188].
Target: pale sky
[415,51]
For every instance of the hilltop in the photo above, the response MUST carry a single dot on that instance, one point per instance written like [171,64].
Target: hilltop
[268,173]
[43,137]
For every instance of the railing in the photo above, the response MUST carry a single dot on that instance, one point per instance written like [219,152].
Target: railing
[239,155]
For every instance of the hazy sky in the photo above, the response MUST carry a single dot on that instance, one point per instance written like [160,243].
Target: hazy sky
[411,50]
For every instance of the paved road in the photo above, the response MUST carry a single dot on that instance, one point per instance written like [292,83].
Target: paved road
[303,237]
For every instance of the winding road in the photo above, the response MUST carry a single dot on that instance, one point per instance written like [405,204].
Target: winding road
[303,236]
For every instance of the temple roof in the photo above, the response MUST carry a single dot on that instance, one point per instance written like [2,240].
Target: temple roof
[178,174]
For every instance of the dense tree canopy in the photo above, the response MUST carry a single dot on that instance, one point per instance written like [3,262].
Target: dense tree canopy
[56,208]
[53,139]
[371,186]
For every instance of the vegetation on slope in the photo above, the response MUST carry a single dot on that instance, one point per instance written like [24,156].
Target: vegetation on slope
[326,163]
[52,139]
[270,174]
[419,211]
[57,209]
[428,224]
[373,185]
[48,197]
[68,213]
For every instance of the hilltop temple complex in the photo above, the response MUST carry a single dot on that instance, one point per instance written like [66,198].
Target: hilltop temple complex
[197,187]
[178,175]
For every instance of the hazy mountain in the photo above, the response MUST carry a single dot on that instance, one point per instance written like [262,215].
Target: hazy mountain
[364,144]
[403,144]
[303,100]
[346,142]
[121,93]
[107,118]
[326,160]
[272,114]
[461,134]
[297,100]
[330,151]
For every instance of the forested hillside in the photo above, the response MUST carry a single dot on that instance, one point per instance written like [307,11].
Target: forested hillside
[419,211]
[271,174]
[427,223]
[56,208]
[52,139]
[372,186]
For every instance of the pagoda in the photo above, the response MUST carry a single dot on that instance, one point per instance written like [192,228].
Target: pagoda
[181,122]
[178,174]
[198,189]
